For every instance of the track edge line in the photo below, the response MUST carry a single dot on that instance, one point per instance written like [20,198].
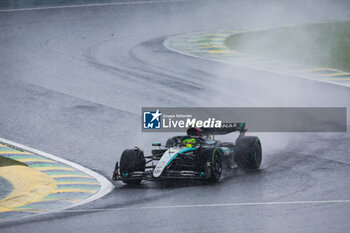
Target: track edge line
[106,185]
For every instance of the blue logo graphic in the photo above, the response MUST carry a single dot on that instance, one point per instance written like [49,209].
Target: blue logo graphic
[152,120]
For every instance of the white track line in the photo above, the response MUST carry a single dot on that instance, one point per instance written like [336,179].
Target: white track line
[92,5]
[215,205]
[106,185]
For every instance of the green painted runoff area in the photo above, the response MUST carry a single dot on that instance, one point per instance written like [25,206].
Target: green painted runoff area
[322,44]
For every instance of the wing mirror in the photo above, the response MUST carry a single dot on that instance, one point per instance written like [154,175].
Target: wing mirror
[156,144]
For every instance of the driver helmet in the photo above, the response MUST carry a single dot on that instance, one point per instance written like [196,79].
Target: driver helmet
[189,142]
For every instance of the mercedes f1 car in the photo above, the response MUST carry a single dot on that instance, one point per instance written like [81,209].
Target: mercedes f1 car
[196,155]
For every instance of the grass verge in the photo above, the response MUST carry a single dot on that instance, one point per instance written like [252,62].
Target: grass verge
[322,44]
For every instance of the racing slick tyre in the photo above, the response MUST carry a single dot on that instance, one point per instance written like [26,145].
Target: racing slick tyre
[248,153]
[209,160]
[132,160]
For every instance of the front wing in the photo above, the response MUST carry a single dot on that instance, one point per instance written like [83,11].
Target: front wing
[167,174]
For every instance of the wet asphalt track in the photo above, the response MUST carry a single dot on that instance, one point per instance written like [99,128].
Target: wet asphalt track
[73,82]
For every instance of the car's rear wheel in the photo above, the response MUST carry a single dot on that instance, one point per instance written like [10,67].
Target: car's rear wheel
[248,153]
[132,160]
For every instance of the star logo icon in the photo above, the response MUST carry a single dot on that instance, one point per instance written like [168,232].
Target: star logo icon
[152,119]
[156,115]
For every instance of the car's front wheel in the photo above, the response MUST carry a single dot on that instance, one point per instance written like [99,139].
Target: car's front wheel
[209,160]
[132,160]
[216,167]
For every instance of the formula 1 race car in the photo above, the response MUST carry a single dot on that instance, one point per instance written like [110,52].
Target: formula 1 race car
[196,155]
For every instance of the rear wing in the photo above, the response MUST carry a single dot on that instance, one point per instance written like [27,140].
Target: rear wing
[225,128]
